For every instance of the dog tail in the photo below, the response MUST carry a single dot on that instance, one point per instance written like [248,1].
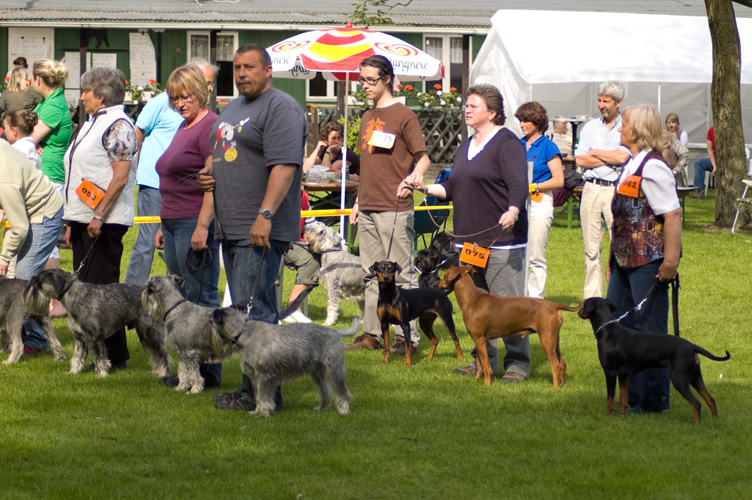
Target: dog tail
[562,307]
[295,304]
[349,332]
[708,355]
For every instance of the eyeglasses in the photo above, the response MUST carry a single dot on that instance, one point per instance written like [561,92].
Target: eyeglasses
[369,81]
[184,98]
[470,107]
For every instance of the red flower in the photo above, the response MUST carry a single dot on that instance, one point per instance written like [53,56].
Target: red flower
[399,85]
[152,81]
[408,87]
[7,78]
[452,89]
[437,86]
[127,82]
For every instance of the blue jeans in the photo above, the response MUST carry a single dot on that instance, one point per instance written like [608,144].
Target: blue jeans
[702,165]
[200,284]
[142,254]
[253,270]
[32,257]
[504,276]
[648,389]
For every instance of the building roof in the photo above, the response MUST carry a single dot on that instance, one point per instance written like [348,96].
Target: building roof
[468,16]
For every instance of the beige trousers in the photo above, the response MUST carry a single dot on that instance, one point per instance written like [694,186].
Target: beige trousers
[595,209]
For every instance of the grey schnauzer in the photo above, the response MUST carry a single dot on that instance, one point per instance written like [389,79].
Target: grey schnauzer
[13,315]
[341,272]
[184,324]
[273,354]
[95,312]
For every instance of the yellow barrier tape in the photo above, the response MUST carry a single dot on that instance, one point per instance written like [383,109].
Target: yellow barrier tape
[151,219]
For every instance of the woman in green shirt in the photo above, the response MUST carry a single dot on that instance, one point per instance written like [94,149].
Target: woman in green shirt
[53,132]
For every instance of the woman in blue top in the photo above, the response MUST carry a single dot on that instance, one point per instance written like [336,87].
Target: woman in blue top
[547,176]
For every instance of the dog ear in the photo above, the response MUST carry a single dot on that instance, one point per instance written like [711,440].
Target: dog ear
[373,268]
[179,280]
[610,305]
[399,268]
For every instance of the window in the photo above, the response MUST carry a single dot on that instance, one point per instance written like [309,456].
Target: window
[227,44]
[447,49]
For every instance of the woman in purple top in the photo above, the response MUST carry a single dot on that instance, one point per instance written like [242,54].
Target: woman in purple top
[187,212]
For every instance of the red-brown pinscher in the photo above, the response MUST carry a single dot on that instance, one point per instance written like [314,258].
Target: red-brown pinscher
[488,317]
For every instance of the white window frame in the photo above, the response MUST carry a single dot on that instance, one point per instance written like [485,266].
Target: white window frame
[207,34]
[446,56]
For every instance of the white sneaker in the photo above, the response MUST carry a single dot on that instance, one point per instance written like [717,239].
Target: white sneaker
[297,317]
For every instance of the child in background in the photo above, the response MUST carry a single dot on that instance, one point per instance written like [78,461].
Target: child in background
[18,127]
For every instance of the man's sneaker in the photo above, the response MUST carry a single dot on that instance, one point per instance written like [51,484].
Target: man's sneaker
[297,317]
[233,401]
[364,341]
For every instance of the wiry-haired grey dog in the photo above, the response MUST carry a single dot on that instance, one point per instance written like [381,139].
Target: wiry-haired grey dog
[184,324]
[97,311]
[273,354]
[13,315]
[340,273]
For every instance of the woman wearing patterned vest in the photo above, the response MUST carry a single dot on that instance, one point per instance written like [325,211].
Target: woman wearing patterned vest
[645,245]
[99,188]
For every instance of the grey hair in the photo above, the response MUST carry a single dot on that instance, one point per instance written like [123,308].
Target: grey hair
[202,63]
[107,84]
[613,89]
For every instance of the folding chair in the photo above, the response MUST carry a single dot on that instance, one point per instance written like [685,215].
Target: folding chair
[426,224]
[740,202]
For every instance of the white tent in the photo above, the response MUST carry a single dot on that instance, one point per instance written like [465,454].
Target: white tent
[560,58]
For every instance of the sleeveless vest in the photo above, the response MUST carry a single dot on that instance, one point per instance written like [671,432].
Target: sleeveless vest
[86,158]
[637,231]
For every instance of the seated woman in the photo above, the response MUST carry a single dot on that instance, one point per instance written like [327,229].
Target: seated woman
[328,152]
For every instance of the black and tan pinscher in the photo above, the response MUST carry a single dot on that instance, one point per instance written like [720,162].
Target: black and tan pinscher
[399,306]
[623,351]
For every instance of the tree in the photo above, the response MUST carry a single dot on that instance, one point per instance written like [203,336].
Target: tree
[725,97]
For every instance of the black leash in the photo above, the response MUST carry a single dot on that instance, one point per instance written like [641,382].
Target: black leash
[249,306]
[199,260]
[86,257]
[394,224]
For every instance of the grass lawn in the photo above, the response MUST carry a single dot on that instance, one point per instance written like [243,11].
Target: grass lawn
[414,432]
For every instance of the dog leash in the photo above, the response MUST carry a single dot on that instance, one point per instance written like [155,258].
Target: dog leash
[249,306]
[674,298]
[394,224]
[199,260]
[86,257]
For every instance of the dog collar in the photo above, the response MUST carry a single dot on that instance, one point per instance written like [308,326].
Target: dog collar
[65,289]
[176,304]
[237,337]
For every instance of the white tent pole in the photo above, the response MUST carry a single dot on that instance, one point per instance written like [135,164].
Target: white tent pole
[343,176]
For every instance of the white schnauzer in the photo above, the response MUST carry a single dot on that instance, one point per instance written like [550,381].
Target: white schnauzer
[341,272]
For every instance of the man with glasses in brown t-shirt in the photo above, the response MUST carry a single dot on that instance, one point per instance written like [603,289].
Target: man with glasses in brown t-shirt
[392,150]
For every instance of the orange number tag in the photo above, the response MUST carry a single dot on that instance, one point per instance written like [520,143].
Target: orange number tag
[89,193]
[630,186]
[474,255]
[536,197]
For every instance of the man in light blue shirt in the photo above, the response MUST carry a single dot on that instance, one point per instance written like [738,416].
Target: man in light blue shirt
[155,127]
[600,154]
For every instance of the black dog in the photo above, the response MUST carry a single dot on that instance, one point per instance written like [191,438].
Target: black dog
[399,306]
[623,351]
[440,254]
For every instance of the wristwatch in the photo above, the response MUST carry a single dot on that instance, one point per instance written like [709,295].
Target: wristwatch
[266,213]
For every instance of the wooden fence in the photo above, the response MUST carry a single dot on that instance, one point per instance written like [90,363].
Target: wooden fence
[443,128]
